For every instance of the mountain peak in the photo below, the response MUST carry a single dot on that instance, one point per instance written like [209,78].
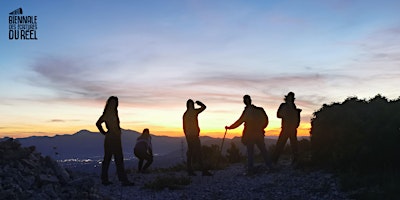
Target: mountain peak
[82,132]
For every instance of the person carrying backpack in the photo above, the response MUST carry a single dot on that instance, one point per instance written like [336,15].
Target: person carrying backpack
[290,116]
[255,121]
[143,150]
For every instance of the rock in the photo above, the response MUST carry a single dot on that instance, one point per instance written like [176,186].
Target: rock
[46,178]
[28,163]
[49,190]
[25,174]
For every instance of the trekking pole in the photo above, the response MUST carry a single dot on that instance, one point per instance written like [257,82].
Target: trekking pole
[222,144]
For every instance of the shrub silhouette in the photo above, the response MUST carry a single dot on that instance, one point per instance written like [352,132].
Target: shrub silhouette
[357,135]
[233,154]
[170,182]
[212,155]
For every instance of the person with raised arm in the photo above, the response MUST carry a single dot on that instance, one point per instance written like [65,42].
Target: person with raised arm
[192,130]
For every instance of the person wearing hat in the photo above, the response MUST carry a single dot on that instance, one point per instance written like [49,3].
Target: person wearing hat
[290,116]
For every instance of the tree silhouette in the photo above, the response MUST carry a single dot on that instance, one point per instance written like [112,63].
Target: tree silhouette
[357,135]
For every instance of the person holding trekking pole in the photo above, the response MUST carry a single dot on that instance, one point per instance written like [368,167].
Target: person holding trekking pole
[255,121]
[192,131]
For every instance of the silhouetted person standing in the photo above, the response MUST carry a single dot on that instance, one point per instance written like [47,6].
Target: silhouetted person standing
[192,130]
[290,121]
[112,142]
[143,150]
[255,121]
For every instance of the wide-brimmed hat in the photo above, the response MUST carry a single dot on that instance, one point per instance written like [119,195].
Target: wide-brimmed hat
[289,95]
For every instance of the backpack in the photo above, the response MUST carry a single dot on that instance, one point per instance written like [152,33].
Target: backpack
[262,116]
[260,122]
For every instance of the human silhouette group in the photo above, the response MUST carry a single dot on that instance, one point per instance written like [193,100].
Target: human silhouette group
[254,118]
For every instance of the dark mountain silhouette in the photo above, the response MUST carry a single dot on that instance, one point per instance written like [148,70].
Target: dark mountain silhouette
[87,144]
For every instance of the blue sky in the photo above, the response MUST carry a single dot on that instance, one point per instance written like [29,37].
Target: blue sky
[154,55]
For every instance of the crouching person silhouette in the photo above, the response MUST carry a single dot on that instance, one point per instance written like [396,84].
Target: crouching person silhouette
[112,142]
[255,121]
[192,131]
[143,151]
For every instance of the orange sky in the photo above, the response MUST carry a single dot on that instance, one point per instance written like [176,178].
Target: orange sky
[52,117]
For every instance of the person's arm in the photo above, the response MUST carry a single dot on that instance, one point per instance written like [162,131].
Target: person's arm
[202,106]
[150,147]
[184,124]
[99,126]
[238,122]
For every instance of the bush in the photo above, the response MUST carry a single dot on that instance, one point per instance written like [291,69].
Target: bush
[360,140]
[170,182]
[357,134]
[233,154]
[212,157]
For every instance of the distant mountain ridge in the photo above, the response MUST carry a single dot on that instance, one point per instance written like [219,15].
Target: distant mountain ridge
[86,144]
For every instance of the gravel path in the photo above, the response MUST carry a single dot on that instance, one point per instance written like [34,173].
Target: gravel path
[230,183]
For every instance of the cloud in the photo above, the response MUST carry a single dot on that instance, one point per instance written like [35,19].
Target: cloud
[57,120]
[312,89]
[79,79]
[382,45]
[62,120]
[270,83]
[82,80]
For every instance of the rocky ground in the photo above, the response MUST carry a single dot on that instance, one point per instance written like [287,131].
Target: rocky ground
[231,183]
[25,174]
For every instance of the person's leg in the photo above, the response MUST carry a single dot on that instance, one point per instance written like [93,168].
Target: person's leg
[250,157]
[136,151]
[280,144]
[104,167]
[140,164]
[293,144]
[149,160]
[197,152]
[105,164]
[119,162]
[189,155]
[261,146]
[199,156]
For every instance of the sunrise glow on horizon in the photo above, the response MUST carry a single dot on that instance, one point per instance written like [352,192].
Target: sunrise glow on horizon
[155,56]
